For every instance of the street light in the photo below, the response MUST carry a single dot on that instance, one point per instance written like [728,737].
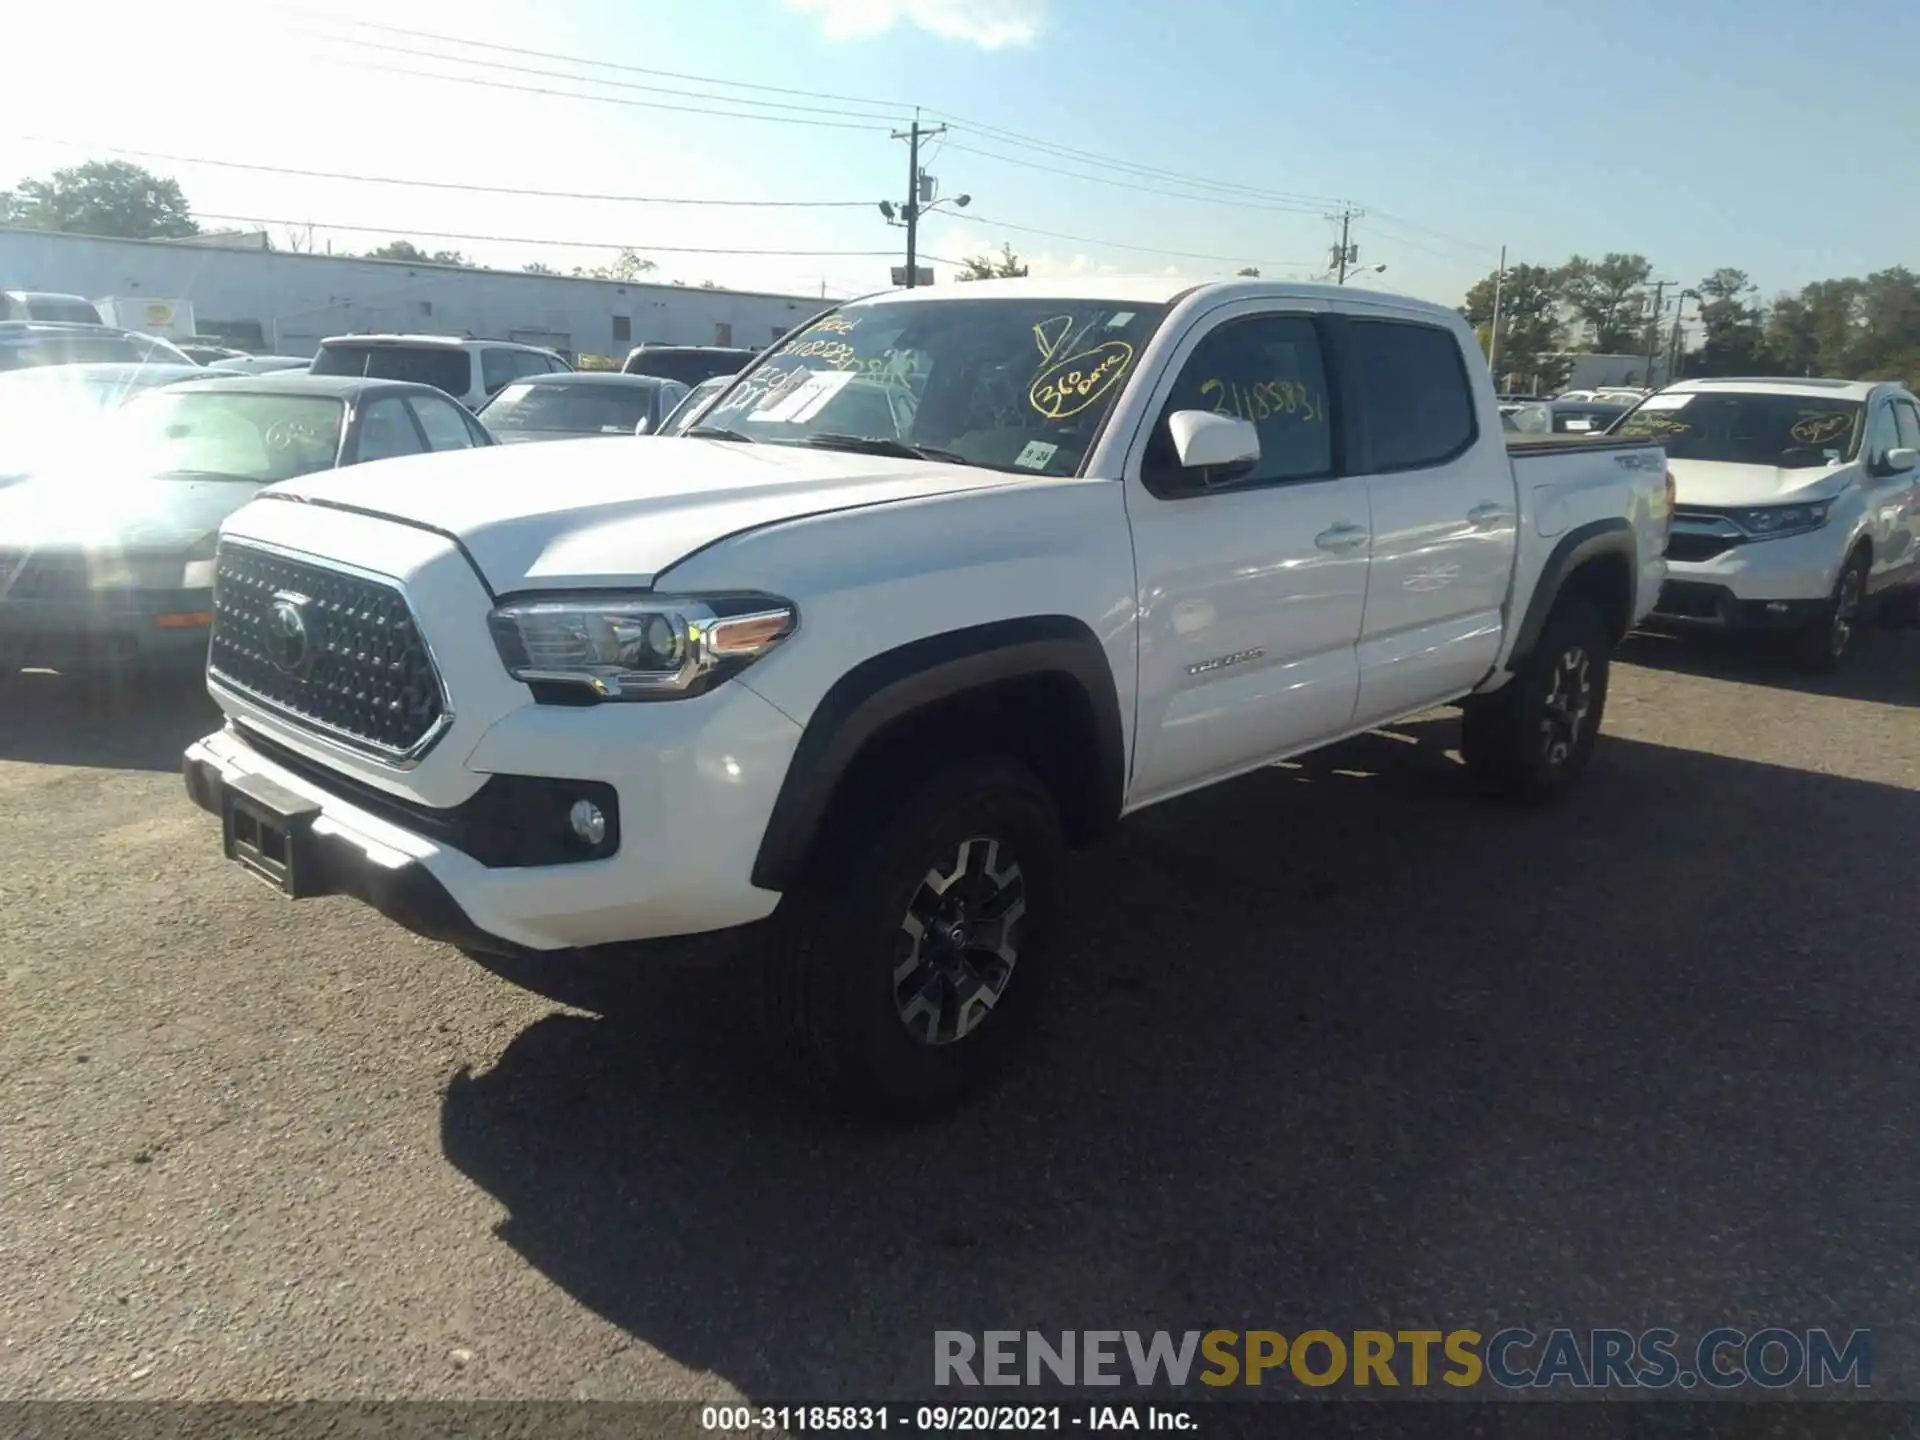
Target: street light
[1374,269]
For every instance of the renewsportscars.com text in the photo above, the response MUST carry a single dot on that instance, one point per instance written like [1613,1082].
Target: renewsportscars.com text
[1605,1359]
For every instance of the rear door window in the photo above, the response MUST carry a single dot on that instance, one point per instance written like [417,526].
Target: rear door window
[387,430]
[441,422]
[1417,404]
[441,366]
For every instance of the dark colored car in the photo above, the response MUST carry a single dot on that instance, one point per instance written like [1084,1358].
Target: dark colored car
[25,343]
[564,407]
[106,560]
[689,364]
[692,406]
[47,410]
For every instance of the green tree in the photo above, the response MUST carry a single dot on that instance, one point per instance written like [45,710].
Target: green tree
[1816,332]
[1252,272]
[629,264]
[1609,297]
[407,250]
[1733,327]
[1531,329]
[103,197]
[536,268]
[1888,340]
[1004,266]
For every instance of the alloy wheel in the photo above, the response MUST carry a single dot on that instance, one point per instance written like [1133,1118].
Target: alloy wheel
[1846,610]
[1567,704]
[959,941]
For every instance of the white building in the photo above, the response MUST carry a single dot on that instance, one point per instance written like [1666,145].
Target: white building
[285,303]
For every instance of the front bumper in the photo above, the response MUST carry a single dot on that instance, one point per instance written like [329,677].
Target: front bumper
[163,629]
[695,782]
[1794,568]
[1691,605]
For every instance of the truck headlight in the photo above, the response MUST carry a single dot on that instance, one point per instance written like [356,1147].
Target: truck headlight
[637,646]
[1772,521]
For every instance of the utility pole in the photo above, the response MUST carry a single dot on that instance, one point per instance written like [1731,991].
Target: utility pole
[1653,330]
[911,212]
[1493,335]
[1344,254]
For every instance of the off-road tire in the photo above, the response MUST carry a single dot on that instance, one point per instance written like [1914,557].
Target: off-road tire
[829,992]
[1531,740]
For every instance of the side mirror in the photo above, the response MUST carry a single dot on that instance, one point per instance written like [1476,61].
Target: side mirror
[1900,459]
[642,426]
[1223,444]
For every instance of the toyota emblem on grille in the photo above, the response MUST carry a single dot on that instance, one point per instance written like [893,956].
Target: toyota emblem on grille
[290,632]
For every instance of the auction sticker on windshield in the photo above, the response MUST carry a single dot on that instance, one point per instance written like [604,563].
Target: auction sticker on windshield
[1665,402]
[804,400]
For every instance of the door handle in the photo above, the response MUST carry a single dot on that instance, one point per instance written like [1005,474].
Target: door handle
[1342,537]
[1485,517]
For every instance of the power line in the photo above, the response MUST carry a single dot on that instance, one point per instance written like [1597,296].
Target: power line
[451,185]
[895,106]
[1129,185]
[408,230]
[1473,245]
[1416,245]
[583,79]
[601,99]
[1145,249]
[1015,137]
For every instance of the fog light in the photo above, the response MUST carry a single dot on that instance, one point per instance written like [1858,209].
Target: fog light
[587,821]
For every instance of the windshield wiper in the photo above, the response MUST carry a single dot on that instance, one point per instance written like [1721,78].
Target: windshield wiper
[718,432]
[882,445]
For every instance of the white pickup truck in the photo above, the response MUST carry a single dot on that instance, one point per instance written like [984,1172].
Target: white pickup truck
[944,583]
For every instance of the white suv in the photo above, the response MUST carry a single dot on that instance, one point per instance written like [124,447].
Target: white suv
[471,371]
[1798,500]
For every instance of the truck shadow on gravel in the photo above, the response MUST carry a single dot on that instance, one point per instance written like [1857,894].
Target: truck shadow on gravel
[1884,665]
[120,724]
[1337,1045]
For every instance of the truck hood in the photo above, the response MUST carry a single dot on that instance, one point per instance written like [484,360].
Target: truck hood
[1723,486]
[598,512]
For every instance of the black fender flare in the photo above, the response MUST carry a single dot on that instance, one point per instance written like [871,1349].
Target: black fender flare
[1614,536]
[892,685]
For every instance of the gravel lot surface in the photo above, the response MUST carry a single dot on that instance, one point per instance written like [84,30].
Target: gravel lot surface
[1336,1045]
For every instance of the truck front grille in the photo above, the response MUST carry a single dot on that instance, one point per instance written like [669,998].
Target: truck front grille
[331,650]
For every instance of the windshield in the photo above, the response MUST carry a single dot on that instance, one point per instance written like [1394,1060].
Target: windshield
[1016,384]
[1788,431]
[49,412]
[261,438]
[442,366]
[690,406]
[69,312]
[689,367]
[55,349]
[570,409]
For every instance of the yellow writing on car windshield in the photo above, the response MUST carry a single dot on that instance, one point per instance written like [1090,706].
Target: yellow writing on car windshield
[1069,386]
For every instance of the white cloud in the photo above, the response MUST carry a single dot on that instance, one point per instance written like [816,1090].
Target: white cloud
[990,24]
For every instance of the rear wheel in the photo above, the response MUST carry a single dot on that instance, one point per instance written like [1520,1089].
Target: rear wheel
[896,980]
[1823,644]
[1532,739]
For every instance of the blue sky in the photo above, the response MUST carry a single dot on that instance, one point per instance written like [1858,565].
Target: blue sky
[1702,134]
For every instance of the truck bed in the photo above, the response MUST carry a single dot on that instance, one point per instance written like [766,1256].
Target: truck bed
[1529,445]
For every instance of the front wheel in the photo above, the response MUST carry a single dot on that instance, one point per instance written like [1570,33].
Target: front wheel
[1532,740]
[1823,644]
[896,980]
